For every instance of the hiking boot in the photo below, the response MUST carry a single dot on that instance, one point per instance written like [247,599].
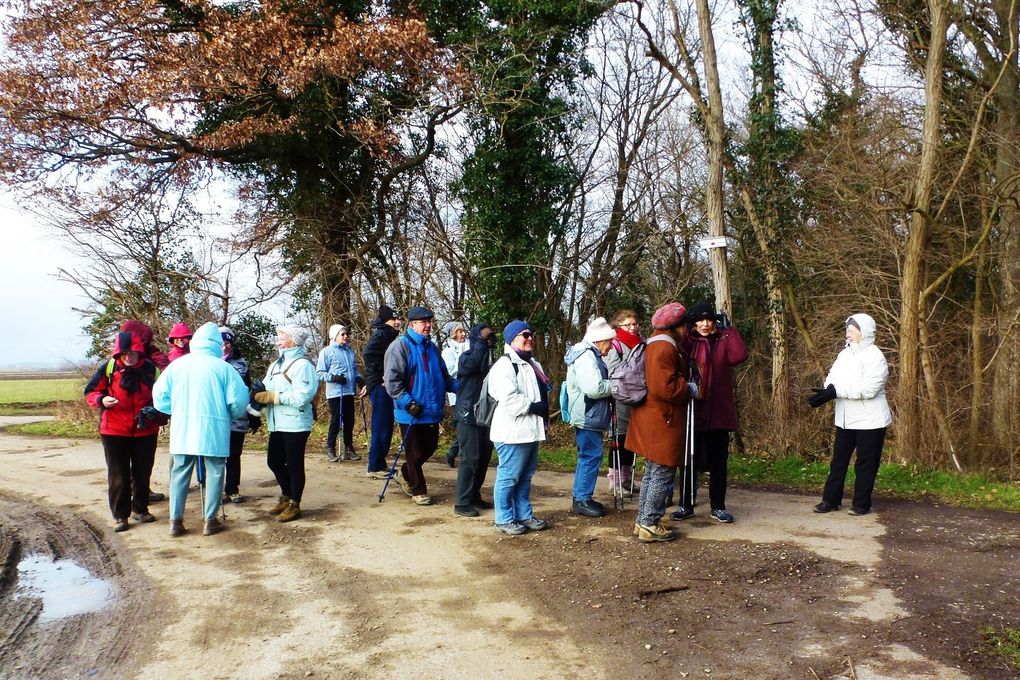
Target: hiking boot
[142,517]
[625,479]
[653,534]
[588,508]
[534,524]
[350,454]
[856,512]
[422,499]
[465,511]
[378,474]
[482,505]
[121,525]
[825,506]
[722,516]
[156,497]
[331,454]
[404,485]
[213,526]
[681,514]
[235,498]
[451,459]
[280,506]
[291,513]
[513,528]
[177,528]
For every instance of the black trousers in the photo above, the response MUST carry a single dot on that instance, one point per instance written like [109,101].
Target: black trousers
[419,445]
[233,477]
[626,455]
[341,410]
[128,468]
[286,458]
[868,444]
[475,456]
[712,453]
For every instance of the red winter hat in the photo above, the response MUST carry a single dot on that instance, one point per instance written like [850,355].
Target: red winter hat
[668,316]
[180,330]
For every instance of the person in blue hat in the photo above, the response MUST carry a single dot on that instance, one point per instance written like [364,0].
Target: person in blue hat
[417,380]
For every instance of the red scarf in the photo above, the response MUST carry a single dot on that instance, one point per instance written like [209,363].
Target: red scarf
[627,338]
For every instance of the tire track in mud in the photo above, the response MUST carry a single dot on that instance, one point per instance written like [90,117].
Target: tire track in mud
[94,644]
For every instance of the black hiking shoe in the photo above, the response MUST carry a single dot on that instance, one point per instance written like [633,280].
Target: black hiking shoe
[825,506]
[121,525]
[142,517]
[465,510]
[856,512]
[681,513]
[588,508]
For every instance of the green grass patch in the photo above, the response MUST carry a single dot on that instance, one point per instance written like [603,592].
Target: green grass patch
[57,428]
[1003,642]
[45,391]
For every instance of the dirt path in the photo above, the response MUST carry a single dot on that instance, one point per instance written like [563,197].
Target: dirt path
[359,589]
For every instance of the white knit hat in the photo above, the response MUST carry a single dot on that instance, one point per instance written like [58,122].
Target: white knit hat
[599,330]
[297,334]
[335,330]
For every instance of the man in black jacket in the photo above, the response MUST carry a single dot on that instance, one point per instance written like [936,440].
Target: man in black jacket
[385,330]
[475,446]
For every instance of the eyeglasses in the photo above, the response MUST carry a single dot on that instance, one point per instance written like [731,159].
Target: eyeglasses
[629,325]
[527,335]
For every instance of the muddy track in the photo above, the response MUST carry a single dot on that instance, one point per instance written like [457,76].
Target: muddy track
[80,645]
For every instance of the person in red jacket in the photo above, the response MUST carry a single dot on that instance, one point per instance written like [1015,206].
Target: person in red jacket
[715,347]
[154,354]
[121,389]
[179,341]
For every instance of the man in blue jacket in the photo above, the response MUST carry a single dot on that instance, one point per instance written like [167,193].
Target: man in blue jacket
[203,394]
[417,380]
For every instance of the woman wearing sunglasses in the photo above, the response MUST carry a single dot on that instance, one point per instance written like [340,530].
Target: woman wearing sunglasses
[857,382]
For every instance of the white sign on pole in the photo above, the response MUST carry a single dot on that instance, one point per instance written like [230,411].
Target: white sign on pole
[713,242]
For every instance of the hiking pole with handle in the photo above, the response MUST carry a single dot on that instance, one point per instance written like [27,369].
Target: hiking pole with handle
[614,458]
[396,458]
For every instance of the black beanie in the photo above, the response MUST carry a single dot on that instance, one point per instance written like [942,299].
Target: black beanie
[700,311]
[385,314]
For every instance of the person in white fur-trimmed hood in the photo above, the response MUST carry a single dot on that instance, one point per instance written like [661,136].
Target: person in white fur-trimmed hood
[857,382]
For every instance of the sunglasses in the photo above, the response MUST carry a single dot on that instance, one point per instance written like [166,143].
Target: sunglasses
[527,335]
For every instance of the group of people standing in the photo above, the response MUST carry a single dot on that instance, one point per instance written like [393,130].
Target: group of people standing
[501,403]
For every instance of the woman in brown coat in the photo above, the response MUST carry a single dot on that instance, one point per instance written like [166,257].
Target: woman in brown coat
[658,426]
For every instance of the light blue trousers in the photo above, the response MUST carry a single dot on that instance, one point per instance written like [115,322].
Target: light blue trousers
[180,479]
[512,489]
[589,458]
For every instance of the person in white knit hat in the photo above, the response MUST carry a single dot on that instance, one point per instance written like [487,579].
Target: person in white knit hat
[588,394]
[337,368]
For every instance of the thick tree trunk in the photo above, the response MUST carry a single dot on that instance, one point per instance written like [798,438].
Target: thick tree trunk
[912,281]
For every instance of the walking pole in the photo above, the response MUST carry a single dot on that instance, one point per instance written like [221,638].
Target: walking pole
[393,470]
[200,474]
[364,420]
[614,458]
[690,444]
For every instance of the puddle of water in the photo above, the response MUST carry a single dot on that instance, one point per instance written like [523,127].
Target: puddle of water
[64,587]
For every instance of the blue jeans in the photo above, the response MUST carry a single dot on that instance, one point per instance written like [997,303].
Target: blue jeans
[512,488]
[382,428]
[589,458]
[180,480]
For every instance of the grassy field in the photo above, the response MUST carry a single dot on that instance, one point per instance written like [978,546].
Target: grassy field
[41,391]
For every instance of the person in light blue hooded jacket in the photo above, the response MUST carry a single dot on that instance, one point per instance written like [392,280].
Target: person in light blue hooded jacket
[290,386]
[589,400]
[202,393]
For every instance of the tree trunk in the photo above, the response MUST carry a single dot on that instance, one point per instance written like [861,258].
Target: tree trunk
[977,331]
[909,423]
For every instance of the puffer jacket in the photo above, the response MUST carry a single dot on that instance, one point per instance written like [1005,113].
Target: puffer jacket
[451,357]
[588,388]
[240,365]
[204,394]
[415,372]
[153,353]
[859,375]
[131,386]
[472,367]
[715,356]
[374,353]
[514,384]
[337,359]
[292,376]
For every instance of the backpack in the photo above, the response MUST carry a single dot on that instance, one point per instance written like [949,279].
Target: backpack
[628,379]
[315,410]
[486,406]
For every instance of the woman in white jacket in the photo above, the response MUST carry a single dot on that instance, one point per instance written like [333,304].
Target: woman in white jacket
[521,389]
[857,382]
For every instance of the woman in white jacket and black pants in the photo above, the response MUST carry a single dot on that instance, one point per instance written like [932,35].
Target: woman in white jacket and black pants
[857,382]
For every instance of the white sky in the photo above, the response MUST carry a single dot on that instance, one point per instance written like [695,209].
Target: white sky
[40,326]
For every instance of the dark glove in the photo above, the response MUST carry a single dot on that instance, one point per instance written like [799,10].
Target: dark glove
[415,409]
[539,408]
[822,396]
[359,382]
[147,417]
[257,386]
[254,423]
[342,379]
[724,321]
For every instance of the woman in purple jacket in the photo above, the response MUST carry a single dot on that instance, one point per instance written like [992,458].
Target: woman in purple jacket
[715,347]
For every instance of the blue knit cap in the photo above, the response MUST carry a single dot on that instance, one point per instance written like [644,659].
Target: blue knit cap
[513,329]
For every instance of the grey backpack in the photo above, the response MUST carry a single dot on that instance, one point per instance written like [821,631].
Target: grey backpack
[486,406]
[628,378]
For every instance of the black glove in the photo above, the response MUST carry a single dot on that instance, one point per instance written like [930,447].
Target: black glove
[415,409]
[147,417]
[724,321]
[257,386]
[822,396]
[254,423]
[359,382]
[539,408]
[342,379]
